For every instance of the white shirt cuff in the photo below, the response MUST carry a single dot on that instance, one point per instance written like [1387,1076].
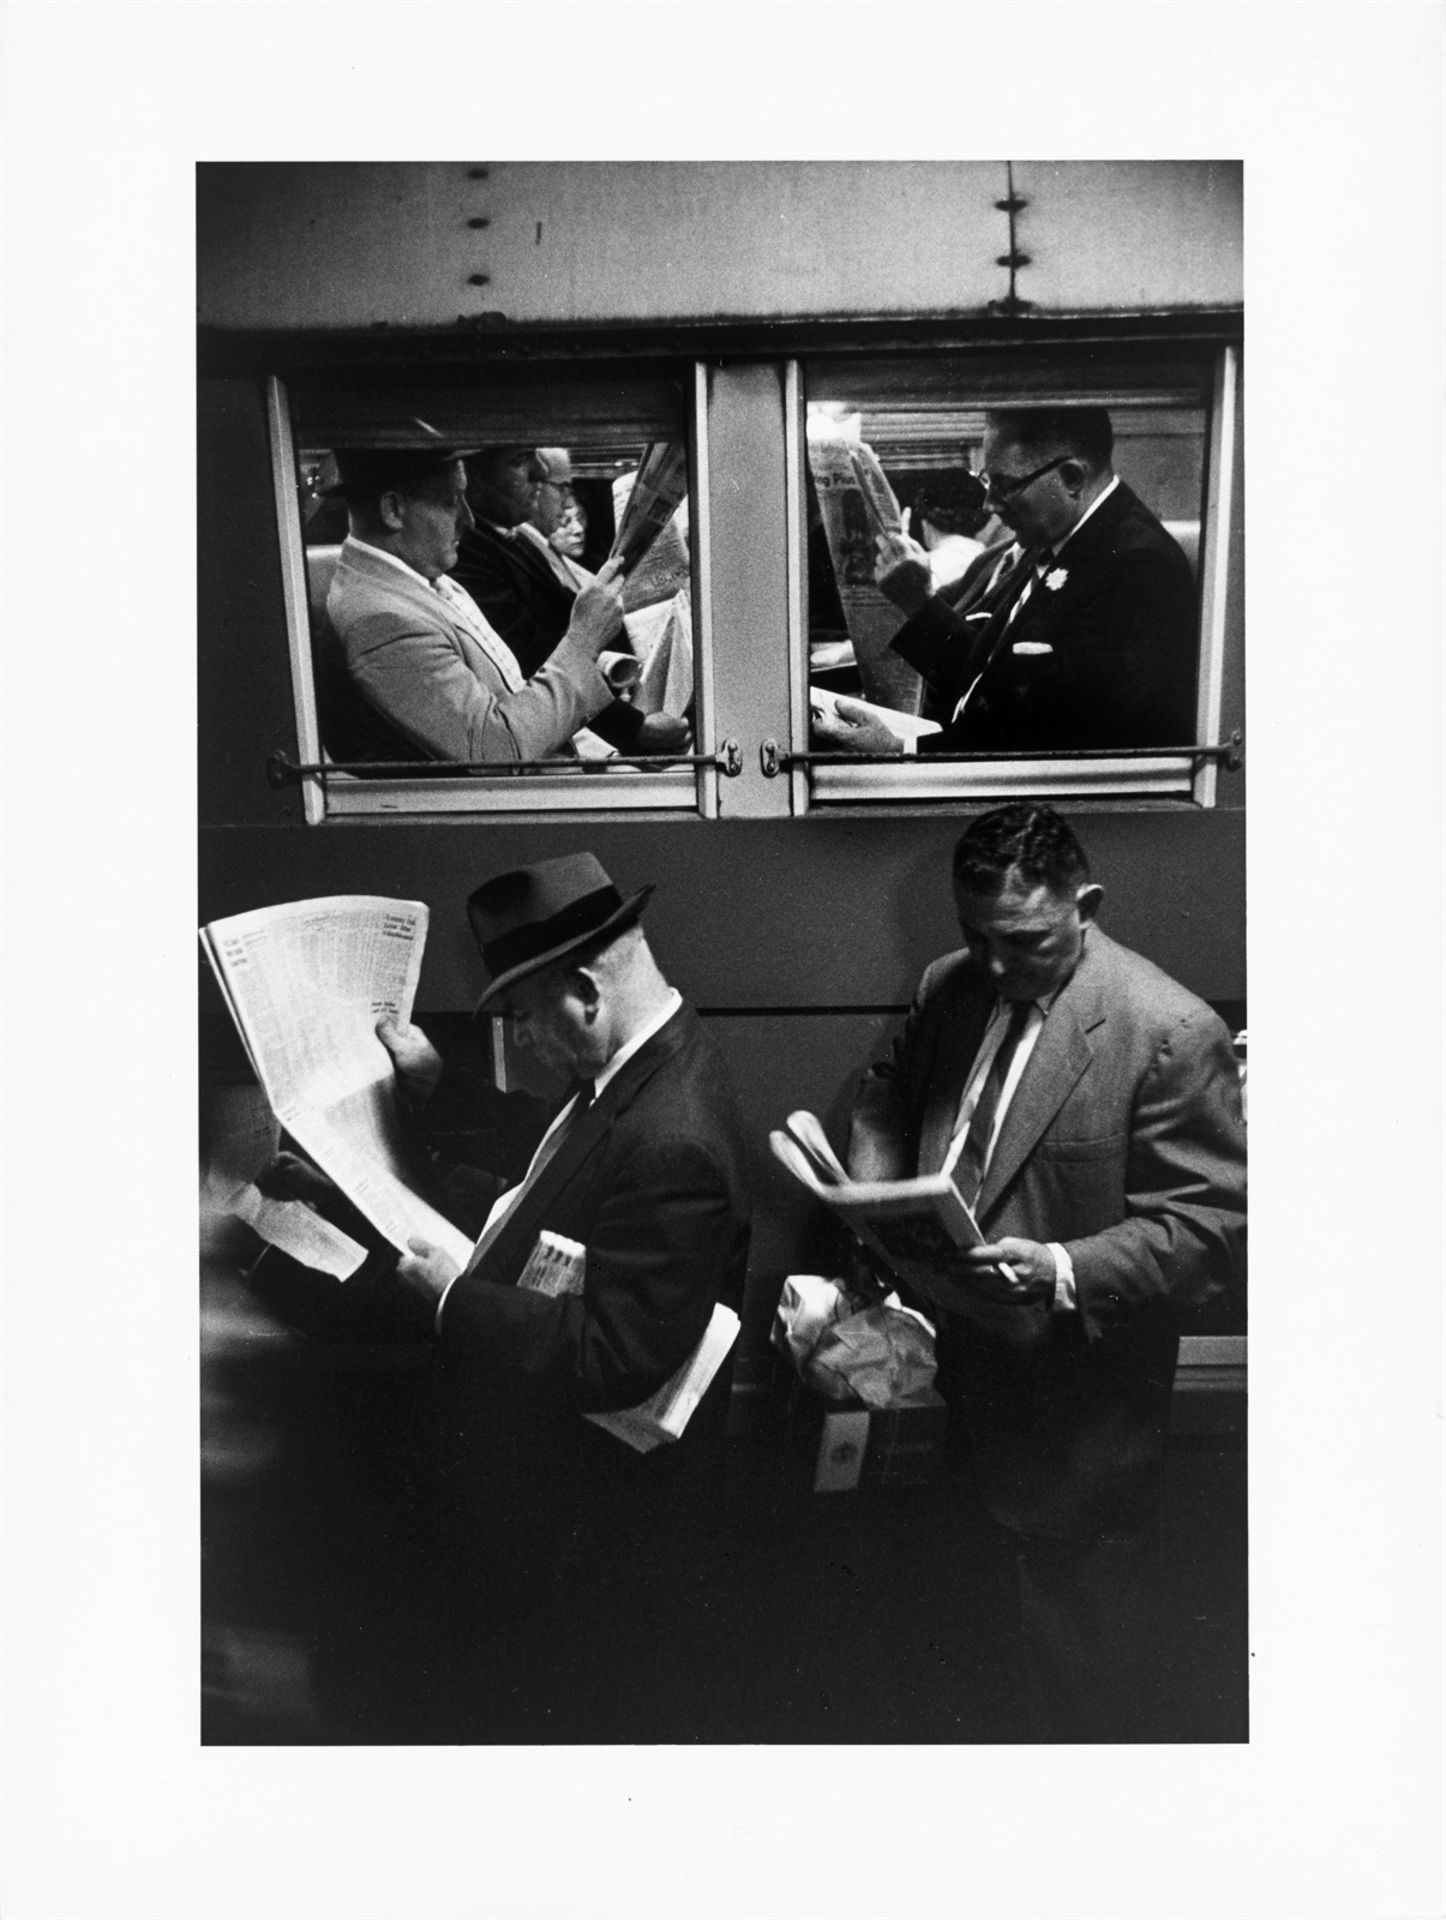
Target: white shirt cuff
[1064,1294]
[442,1301]
[911,744]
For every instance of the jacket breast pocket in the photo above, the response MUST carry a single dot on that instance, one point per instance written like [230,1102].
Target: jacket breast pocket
[1079,1184]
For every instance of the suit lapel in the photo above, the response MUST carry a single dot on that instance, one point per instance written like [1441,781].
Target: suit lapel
[504,1259]
[1061,1055]
[1047,606]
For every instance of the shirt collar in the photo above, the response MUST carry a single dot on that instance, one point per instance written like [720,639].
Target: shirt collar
[380,553]
[639,1040]
[1093,507]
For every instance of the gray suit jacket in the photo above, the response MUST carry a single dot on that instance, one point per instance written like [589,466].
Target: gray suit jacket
[1124,1141]
[419,668]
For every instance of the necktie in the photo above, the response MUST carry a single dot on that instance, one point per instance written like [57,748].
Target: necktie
[1003,598]
[974,1154]
[544,1155]
[469,615]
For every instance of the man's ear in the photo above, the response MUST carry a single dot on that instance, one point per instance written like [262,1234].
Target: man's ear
[1074,474]
[1088,901]
[391,510]
[583,983]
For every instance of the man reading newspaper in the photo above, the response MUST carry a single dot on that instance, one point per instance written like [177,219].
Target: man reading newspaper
[581,1564]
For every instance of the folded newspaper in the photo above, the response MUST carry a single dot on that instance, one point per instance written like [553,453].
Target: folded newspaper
[658,489]
[916,1226]
[908,726]
[306,984]
[558,1266]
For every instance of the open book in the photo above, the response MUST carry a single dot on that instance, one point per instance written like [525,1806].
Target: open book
[306,984]
[916,1226]
[558,1265]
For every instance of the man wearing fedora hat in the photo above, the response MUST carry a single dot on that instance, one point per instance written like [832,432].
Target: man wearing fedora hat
[419,651]
[574,1532]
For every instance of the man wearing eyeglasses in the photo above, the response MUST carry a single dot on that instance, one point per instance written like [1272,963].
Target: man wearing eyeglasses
[1081,634]
[528,592]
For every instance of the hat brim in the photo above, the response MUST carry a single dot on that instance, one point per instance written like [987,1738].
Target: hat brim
[617,920]
[336,489]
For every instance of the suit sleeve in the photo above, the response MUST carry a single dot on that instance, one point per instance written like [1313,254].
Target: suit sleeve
[658,1257]
[940,643]
[414,675]
[1183,1236]
[883,1130]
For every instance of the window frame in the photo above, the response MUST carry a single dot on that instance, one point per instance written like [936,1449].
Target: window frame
[830,788]
[677,793]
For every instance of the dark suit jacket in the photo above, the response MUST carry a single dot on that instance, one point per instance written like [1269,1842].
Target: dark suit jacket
[1123,1141]
[651,1180]
[1104,657]
[530,607]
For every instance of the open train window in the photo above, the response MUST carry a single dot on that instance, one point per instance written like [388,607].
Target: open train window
[999,663]
[395,704]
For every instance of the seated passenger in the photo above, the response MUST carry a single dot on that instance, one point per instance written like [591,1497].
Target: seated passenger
[415,644]
[949,512]
[526,591]
[1081,634]
[555,525]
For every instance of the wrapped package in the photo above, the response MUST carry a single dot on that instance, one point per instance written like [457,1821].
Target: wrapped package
[808,1305]
[880,1357]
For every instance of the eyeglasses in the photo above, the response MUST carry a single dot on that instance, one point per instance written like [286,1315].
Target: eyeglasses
[1010,489]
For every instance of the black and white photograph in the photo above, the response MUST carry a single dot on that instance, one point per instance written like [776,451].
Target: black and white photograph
[876,544]
[695,794]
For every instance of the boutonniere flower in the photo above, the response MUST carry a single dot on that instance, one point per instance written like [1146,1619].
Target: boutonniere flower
[1055,580]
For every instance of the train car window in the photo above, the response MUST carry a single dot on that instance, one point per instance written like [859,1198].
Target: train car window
[1055,627]
[437,609]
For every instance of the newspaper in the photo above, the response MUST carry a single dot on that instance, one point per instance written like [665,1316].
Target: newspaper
[646,502]
[917,1227]
[558,1266]
[857,503]
[908,726]
[306,984]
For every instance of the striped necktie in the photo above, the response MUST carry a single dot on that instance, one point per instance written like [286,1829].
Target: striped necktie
[468,615]
[973,1160]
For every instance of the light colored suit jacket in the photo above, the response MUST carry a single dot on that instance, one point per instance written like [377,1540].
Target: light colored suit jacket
[1124,1141]
[419,666]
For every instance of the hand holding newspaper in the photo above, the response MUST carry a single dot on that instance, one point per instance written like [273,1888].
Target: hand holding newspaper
[306,984]
[918,1227]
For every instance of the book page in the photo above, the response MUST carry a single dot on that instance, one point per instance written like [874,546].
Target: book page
[807,1131]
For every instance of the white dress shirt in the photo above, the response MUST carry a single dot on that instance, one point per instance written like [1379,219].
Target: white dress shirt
[615,1065]
[1064,1289]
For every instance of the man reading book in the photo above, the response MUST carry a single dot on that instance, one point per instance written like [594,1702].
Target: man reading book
[1089,1109]
[582,1561]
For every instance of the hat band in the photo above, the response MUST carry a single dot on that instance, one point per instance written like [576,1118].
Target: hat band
[523,944]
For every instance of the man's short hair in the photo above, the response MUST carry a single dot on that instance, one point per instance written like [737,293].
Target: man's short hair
[1025,837]
[952,502]
[1041,432]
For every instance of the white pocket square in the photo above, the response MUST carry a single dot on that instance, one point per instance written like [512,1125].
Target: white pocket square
[1032,646]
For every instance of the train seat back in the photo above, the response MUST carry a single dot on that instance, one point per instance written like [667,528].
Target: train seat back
[351,729]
